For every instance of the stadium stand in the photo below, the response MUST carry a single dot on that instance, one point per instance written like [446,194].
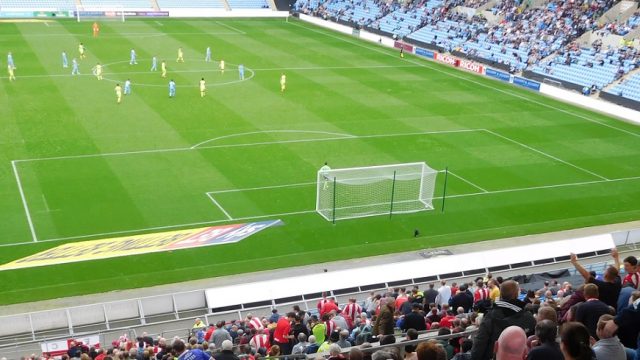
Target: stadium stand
[361,12]
[540,37]
[193,4]
[248,4]
[629,88]
[546,295]
[111,320]
[38,4]
[115,4]
[588,67]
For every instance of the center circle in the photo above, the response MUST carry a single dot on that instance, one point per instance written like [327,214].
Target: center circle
[141,75]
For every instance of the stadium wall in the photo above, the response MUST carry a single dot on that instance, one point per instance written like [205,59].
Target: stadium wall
[472,65]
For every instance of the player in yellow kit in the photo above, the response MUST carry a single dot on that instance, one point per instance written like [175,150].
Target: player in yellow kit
[163,67]
[98,71]
[81,50]
[221,67]
[12,76]
[283,82]
[203,87]
[180,55]
[119,93]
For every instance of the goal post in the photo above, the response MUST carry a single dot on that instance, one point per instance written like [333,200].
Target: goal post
[375,190]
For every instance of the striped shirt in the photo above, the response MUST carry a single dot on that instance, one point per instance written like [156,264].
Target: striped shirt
[321,303]
[331,326]
[481,294]
[260,341]
[351,310]
[255,323]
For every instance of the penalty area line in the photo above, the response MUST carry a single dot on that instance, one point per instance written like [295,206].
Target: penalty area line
[240,32]
[467,181]
[546,154]
[219,206]
[24,202]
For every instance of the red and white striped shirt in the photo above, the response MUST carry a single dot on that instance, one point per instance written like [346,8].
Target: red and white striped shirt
[255,323]
[481,294]
[632,278]
[351,310]
[260,341]
[331,326]
[321,303]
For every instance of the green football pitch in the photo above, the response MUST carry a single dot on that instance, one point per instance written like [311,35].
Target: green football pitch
[76,166]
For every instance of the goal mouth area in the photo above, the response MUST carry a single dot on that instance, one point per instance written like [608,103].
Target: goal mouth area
[374,190]
[366,211]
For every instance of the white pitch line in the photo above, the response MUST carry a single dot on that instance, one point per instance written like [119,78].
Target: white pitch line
[240,32]
[467,181]
[24,203]
[543,187]
[262,188]
[159,23]
[166,227]
[448,73]
[46,204]
[269,132]
[277,142]
[219,206]
[546,154]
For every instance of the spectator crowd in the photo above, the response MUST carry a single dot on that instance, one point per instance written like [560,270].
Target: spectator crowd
[490,318]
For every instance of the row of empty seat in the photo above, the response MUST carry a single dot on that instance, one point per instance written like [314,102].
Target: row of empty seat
[248,4]
[174,4]
[629,88]
[38,4]
[130,4]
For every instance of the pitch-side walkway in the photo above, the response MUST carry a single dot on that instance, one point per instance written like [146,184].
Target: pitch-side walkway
[304,270]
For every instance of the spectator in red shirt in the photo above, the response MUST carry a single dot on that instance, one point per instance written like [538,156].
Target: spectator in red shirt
[401,298]
[454,288]
[447,321]
[322,301]
[329,306]
[352,309]
[630,268]
[282,335]
[207,335]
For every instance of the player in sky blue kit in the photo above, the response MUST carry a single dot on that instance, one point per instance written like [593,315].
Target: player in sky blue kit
[75,70]
[241,71]
[207,57]
[154,63]
[172,88]
[10,60]
[65,61]
[127,87]
[133,57]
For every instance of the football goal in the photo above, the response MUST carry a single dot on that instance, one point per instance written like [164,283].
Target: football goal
[375,190]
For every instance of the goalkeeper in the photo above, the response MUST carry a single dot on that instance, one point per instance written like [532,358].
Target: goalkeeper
[323,171]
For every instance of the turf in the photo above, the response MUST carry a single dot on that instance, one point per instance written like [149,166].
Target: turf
[90,169]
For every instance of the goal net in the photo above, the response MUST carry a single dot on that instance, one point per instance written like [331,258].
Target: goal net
[375,190]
